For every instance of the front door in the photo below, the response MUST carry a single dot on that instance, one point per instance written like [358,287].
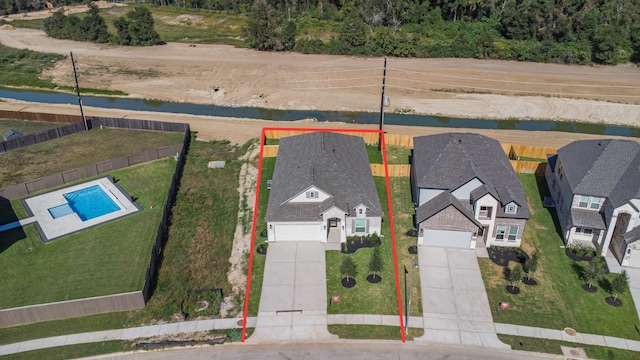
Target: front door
[333,230]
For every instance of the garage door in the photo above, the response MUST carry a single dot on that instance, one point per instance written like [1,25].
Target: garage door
[446,238]
[297,232]
[634,260]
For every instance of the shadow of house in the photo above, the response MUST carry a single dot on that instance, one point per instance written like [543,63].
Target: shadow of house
[8,216]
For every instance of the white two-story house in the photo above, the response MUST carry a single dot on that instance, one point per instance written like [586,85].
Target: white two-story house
[466,192]
[595,185]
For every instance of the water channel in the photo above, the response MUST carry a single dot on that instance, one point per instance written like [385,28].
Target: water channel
[291,115]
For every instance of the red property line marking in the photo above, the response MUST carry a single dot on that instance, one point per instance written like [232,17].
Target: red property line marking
[256,208]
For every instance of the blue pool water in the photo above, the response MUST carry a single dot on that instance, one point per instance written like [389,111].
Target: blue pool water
[60,211]
[90,202]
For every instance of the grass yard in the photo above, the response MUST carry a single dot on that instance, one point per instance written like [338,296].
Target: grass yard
[553,347]
[74,351]
[558,300]
[77,150]
[373,332]
[365,298]
[403,221]
[398,155]
[23,67]
[26,127]
[106,259]
[204,219]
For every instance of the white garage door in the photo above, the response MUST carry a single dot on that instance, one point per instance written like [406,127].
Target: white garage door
[634,260]
[445,238]
[297,232]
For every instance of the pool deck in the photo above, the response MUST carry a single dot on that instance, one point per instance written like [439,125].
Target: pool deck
[50,228]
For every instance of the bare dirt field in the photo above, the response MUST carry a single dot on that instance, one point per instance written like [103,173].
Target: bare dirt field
[228,76]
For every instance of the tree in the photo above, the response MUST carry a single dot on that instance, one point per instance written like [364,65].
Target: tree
[619,284]
[288,36]
[594,271]
[93,26]
[375,262]
[261,26]
[513,275]
[530,265]
[348,268]
[136,28]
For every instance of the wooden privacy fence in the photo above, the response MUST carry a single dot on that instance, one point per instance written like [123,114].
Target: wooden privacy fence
[33,116]
[515,151]
[42,136]
[399,170]
[116,302]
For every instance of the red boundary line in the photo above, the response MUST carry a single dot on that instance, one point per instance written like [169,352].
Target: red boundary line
[389,205]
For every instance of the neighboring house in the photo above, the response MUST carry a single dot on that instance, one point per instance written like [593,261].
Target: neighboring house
[466,192]
[10,135]
[595,185]
[322,190]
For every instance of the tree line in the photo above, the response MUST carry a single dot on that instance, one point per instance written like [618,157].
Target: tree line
[136,28]
[562,31]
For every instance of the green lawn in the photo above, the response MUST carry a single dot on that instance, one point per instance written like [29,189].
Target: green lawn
[398,154]
[204,219]
[372,332]
[553,347]
[558,301]
[365,298]
[78,150]
[26,127]
[106,259]
[73,351]
[375,156]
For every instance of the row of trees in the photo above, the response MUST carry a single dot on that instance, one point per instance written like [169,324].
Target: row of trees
[566,31]
[136,28]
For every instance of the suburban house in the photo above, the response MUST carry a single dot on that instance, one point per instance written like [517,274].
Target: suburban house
[595,185]
[466,192]
[322,190]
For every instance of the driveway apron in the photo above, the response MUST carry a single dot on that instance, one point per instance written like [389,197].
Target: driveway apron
[454,300]
[293,304]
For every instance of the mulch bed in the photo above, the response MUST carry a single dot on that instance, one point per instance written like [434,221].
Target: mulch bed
[589,289]
[613,302]
[531,282]
[374,279]
[413,250]
[348,283]
[513,290]
[502,255]
[352,245]
[262,249]
[575,257]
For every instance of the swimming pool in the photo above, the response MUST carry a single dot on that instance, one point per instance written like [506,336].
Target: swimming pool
[90,202]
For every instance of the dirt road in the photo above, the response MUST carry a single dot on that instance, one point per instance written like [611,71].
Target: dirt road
[224,75]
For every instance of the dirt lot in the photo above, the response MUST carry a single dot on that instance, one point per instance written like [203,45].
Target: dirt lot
[243,77]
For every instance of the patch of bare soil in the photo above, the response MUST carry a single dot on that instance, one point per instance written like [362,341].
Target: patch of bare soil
[242,238]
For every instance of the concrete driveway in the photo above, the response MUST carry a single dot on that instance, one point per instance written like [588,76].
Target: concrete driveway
[293,304]
[455,305]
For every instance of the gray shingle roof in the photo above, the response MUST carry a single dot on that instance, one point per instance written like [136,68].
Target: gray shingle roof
[447,161]
[606,168]
[441,202]
[632,235]
[587,218]
[334,163]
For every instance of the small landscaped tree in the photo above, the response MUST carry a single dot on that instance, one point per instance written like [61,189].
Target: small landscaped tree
[594,272]
[530,265]
[348,268]
[619,284]
[513,275]
[376,263]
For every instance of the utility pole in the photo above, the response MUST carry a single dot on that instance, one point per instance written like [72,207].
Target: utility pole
[382,104]
[75,76]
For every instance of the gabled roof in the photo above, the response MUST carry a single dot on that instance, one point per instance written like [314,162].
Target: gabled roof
[632,235]
[447,161]
[335,163]
[606,168]
[587,218]
[441,202]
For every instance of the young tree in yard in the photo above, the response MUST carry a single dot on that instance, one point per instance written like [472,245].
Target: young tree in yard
[619,284]
[529,266]
[348,267]
[513,275]
[375,263]
[594,271]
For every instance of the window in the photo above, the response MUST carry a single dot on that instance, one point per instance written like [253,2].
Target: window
[511,209]
[361,225]
[595,203]
[360,211]
[584,231]
[584,201]
[513,233]
[485,211]
[500,230]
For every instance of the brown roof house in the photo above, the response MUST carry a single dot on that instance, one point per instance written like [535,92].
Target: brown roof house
[466,192]
[322,190]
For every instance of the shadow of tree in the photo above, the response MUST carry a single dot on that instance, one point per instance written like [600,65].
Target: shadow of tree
[578,269]
[7,215]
